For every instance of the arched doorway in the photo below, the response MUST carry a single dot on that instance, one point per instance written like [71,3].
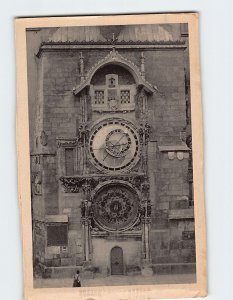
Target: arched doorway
[117,267]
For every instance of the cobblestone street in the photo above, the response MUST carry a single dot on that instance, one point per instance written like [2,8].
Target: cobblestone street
[116,280]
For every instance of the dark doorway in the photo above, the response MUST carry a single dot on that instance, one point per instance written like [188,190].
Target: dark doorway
[116,261]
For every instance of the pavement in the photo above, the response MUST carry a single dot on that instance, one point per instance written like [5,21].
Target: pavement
[116,280]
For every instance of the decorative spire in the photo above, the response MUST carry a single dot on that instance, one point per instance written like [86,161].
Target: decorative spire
[81,65]
[142,65]
[114,39]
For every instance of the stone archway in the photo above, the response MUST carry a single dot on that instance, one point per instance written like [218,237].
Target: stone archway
[117,264]
[114,58]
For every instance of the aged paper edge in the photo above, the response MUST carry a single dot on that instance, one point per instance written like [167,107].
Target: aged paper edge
[199,289]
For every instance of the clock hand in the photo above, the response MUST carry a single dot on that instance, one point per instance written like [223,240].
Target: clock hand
[115,145]
[120,138]
[111,142]
[109,153]
[105,156]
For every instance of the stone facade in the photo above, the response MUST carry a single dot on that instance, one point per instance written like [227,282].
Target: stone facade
[135,87]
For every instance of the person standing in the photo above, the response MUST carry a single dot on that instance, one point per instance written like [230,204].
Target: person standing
[77,280]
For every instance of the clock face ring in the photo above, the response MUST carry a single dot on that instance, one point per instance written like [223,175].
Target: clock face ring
[114,145]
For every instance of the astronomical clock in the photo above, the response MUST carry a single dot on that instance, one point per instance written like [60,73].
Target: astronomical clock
[116,207]
[112,144]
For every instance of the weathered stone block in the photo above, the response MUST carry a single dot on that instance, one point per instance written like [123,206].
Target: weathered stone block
[183,268]
[66,261]
[133,270]
[161,269]
[179,204]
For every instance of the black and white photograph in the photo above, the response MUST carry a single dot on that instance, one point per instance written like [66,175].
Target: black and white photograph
[111,157]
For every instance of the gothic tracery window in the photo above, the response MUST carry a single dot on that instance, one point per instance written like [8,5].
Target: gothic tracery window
[99,96]
[125,96]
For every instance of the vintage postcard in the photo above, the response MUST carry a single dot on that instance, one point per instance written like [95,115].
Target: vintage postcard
[110,157]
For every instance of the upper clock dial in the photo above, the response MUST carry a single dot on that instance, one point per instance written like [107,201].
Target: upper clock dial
[114,145]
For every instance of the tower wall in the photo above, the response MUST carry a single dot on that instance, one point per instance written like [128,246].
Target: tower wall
[60,155]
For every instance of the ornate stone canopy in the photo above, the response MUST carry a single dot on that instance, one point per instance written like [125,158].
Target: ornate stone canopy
[75,184]
[115,58]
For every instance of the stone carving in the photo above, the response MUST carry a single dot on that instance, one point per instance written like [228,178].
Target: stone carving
[114,39]
[115,207]
[146,210]
[81,66]
[112,80]
[38,184]
[149,209]
[75,184]
[66,142]
[144,133]
[180,155]
[86,212]
[179,151]
[43,138]
[147,133]
[183,136]
[86,188]
[84,133]
[83,209]
[141,98]
[116,42]
[142,65]
[171,155]
[145,187]
[113,103]
[95,229]
[115,57]
[33,176]
[72,184]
